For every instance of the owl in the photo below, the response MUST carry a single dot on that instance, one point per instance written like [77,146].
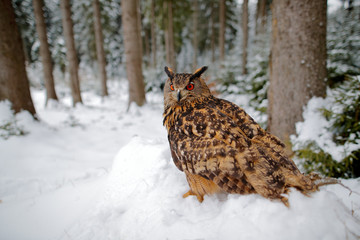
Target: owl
[220,148]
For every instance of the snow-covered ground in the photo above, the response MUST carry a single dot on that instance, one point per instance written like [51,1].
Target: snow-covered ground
[99,172]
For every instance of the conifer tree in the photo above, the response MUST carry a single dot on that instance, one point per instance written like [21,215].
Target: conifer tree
[222,20]
[44,50]
[100,53]
[153,34]
[133,52]
[298,61]
[245,28]
[14,84]
[73,63]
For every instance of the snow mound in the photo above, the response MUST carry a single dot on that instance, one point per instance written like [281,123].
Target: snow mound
[11,124]
[143,200]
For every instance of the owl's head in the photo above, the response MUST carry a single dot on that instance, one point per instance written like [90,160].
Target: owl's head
[181,87]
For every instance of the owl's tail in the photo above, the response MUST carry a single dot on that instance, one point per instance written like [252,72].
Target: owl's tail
[308,183]
[319,181]
[313,181]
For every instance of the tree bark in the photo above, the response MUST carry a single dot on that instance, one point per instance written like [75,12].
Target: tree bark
[212,32]
[133,54]
[169,37]
[14,84]
[44,50]
[245,28]
[195,30]
[73,64]
[100,53]
[167,44]
[138,10]
[222,30]
[153,34]
[147,46]
[260,16]
[298,61]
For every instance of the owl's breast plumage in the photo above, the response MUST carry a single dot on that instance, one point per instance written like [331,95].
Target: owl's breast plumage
[203,140]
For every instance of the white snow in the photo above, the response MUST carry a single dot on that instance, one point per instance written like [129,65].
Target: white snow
[143,200]
[99,172]
[315,128]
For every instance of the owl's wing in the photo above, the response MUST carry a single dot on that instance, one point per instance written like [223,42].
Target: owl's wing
[271,144]
[239,116]
[208,143]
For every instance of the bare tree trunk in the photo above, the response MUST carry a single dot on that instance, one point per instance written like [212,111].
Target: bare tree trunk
[147,47]
[245,28]
[167,45]
[26,52]
[166,35]
[212,32]
[14,84]
[138,10]
[170,37]
[100,53]
[133,54]
[44,50]
[260,16]
[73,64]
[298,61]
[153,34]
[195,30]
[222,30]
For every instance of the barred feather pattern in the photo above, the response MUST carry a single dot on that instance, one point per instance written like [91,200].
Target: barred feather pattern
[221,148]
[218,141]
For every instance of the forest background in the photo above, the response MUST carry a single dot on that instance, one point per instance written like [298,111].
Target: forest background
[84,155]
[236,39]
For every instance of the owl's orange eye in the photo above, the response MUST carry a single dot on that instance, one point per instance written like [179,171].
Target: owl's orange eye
[172,87]
[190,86]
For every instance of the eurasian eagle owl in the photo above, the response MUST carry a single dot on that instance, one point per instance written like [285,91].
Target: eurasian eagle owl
[220,147]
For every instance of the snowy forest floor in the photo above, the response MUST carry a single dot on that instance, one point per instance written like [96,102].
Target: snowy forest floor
[97,171]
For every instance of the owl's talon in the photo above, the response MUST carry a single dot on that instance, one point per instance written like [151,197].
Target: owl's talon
[285,201]
[188,194]
[199,198]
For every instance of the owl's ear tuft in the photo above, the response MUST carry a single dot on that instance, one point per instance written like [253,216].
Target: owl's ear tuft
[169,72]
[199,71]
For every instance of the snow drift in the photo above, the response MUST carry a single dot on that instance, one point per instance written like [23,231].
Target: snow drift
[143,200]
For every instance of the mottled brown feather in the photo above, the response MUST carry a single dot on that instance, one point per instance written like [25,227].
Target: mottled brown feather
[220,147]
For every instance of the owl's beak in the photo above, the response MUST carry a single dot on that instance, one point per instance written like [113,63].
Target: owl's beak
[178,95]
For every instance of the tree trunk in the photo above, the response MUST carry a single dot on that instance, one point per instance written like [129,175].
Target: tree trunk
[167,45]
[14,84]
[245,28]
[133,54]
[26,52]
[298,61]
[153,34]
[195,30]
[147,46]
[138,10]
[100,53]
[73,64]
[44,50]
[212,32]
[169,37]
[222,30]
[260,16]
